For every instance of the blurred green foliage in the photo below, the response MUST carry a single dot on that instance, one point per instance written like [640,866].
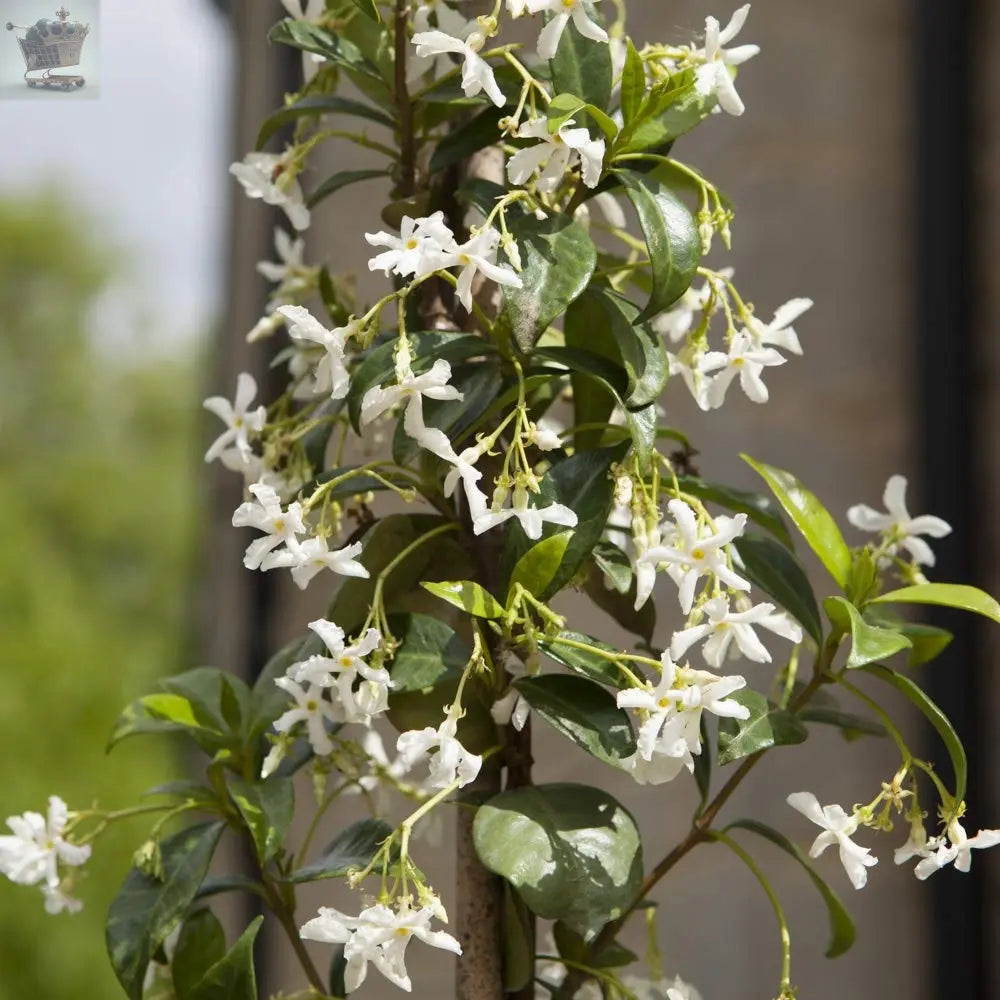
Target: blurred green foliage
[97,467]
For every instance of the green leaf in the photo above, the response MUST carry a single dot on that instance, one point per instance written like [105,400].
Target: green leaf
[928,641]
[201,943]
[703,768]
[341,179]
[868,642]
[812,519]
[583,712]
[766,727]
[220,700]
[572,852]
[582,66]
[779,574]
[146,910]
[633,87]
[338,970]
[949,595]
[934,715]
[614,563]
[760,509]
[267,808]
[232,976]
[842,931]
[352,849]
[591,665]
[559,259]
[468,138]
[671,237]
[469,596]
[537,568]
[852,726]
[669,110]
[518,946]
[572,946]
[564,107]
[312,38]
[368,8]
[324,105]
[161,713]
[215,885]
[429,653]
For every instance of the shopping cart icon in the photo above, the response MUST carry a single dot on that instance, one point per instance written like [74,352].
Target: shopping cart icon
[48,45]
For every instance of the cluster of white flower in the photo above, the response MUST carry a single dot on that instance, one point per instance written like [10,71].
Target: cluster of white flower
[555,154]
[273,178]
[750,347]
[35,851]
[427,245]
[380,935]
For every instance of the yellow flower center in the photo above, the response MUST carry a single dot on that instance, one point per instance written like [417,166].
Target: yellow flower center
[738,362]
[464,258]
[279,525]
[664,703]
[347,661]
[312,705]
[697,553]
[412,244]
[238,422]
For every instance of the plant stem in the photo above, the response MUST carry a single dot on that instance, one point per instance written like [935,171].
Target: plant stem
[404,106]
[286,917]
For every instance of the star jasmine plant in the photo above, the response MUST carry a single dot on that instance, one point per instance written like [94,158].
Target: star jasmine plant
[481,438]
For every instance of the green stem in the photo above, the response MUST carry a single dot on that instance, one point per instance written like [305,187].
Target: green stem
[314,823]
[404,106]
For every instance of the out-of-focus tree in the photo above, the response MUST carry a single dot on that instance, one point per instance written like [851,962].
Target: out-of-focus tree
[97,458]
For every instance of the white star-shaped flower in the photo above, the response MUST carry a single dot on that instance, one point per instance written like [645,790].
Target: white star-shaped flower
[556,153]
[562,12]
[532,518]
[288,270]
[280,526]
[696,550]
[312,556]
[270,177]
[450,762]
[725,626]
[743,359]
[36,847]
[957,851]
[239,419]
[838,828]
[899,528]
[478,256]
[331,374]
[477,74]
[713,76]
[311,710]
[779,332]
[464,469]
[419,249]
[378,935]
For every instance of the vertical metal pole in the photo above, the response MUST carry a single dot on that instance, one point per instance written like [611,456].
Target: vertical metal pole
[953,469]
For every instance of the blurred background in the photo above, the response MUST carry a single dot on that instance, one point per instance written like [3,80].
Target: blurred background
[864,176]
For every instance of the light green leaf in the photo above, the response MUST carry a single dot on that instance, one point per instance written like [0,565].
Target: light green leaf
[341,179]
[934,715]
[201,943]
[267,808]
[582,711]
[766,727]
[928,641]
[808,515]
[868,642]
[564,107]
[429,653]
[351,850]
[592,665]
[949,595]
[583,66]
[233,975]
[671,237]
[146,910]
[842,932]
[669,110]
[633,87]
[559,258]
[469,596]
[778,573]
[614,563]
[759,508]
[537,568]
[572,852]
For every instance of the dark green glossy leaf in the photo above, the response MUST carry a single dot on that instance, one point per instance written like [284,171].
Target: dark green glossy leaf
[766,727]
[949,595]
[537,568]
[842,931]
[352,849]
[559,258]
[341,179]
[671,237]
[323,105]
[779,574]
[572,852]
[337,49]
[216,885]
[852,726]
[615,565]
[518,947]
[868,642]
[582,662]
[759,508]
[369,9]
[469,596]
[934,715]
[583,712]
[582,66]
[812,519]
[267,808]
[201,943]
[468,138]
[430,652]
[233,976]
[146,910]
[572,946]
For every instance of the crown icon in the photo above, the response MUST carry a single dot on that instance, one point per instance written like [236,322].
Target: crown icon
[50,44]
